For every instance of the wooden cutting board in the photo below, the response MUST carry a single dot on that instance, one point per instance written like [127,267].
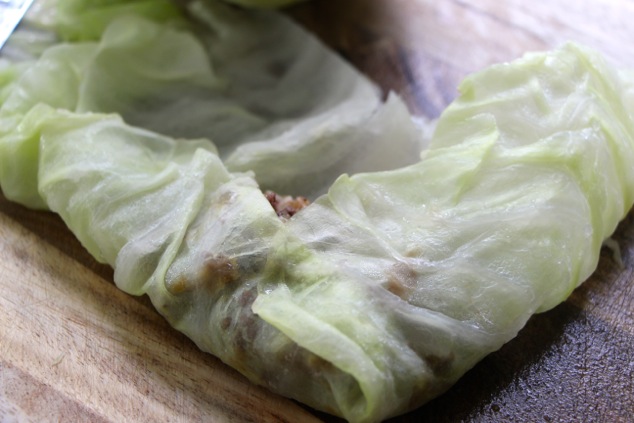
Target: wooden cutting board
[74,348]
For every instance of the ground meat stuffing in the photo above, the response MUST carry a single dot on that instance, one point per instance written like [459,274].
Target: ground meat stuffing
[285,205]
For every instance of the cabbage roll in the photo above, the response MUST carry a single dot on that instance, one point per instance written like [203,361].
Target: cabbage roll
[155,140]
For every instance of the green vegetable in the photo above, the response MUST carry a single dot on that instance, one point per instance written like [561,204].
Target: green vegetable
[81,20]
[383,292]
[272,98]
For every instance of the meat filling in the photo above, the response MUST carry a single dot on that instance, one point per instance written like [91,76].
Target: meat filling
[286,205]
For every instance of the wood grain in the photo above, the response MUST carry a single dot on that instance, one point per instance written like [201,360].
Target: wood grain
[74,348]
[422,48]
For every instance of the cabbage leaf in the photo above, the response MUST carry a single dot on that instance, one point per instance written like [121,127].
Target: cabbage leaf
[280,105]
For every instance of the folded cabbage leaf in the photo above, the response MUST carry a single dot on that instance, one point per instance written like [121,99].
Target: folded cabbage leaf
[271,97]
[380,294]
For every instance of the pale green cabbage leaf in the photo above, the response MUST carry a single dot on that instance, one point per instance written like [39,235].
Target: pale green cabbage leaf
[383,292]
[271,97]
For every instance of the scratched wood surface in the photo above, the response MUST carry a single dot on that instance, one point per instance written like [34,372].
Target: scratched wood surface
[74,348]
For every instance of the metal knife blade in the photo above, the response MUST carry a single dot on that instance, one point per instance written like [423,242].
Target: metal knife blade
[11,13]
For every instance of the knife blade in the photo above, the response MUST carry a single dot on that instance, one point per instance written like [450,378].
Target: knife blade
[11,13]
